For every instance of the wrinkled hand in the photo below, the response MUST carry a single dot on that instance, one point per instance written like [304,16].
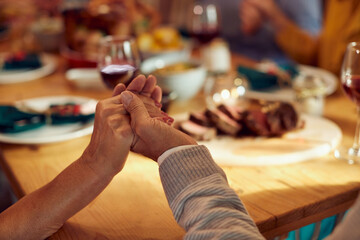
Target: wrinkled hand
[111,139]
[152,136]
[112,136]
[149,93]
[250,16]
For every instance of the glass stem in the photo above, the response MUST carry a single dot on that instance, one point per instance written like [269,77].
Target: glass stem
[356,145]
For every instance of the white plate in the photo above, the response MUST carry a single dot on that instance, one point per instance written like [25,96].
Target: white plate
[318,138]
[287,94]
[17,76]
[85,78]
[50,133]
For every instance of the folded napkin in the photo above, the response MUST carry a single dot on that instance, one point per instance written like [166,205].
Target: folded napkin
[13,120]
[265,78]
[22,60]
[68,113]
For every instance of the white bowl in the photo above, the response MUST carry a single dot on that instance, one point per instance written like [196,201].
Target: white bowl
[186,84]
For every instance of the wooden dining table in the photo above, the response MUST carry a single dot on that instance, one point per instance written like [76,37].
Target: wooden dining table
[279,198]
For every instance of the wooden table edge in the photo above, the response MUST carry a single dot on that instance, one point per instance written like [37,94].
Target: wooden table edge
[308,220]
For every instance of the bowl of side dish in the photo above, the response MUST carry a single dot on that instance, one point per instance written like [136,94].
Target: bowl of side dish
[181,75]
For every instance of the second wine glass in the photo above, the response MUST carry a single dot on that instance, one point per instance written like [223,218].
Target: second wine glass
[350,81]
[119,60]
[204,22]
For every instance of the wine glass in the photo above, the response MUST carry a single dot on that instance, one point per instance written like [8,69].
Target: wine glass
[228,88]
[204,22]
[350,81]
[119,60]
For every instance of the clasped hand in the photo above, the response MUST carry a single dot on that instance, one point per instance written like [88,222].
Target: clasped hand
[131,120]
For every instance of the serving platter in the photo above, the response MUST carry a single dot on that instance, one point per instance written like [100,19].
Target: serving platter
[318,137]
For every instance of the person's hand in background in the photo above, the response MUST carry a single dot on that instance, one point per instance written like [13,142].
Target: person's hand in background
[152,136]
[250,16]
[268,10]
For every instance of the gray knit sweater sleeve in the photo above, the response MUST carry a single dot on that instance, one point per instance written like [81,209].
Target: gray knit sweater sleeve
[201,200]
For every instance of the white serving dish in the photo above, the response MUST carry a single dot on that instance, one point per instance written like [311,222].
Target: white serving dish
[185,84]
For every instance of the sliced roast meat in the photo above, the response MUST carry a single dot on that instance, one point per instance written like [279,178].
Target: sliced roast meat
[274,120]
[256,122]
[201,119]
[199,133]
[290,118]
[232,112]
[223,122]
[268,118]
[281,118]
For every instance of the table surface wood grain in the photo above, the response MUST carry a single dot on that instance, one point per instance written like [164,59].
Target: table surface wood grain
[278,198]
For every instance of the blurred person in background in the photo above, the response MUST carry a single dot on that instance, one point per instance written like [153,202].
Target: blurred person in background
[245,29]
[256,36]
[341,25]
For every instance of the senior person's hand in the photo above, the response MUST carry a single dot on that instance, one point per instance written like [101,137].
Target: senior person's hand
[113,135]
[152,136]
[111,139]
[41,213]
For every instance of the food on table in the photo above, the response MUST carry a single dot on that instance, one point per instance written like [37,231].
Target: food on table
[67,113]
[85,25]
[198,132]
[265,119]
[223,122]
[175,68]
[14,119]
[22,60]
[161,39]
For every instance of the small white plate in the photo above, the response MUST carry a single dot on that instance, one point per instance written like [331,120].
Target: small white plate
[287,94]
[50,133]
[17,76]
[318,138]
[85,78]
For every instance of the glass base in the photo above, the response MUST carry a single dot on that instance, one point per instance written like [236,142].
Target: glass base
[351,155]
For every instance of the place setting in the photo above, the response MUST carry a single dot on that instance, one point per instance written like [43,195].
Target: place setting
[25,66]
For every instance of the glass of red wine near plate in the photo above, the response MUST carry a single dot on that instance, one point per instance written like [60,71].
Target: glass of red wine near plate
[119,60]
[204,22]
[204,26]
[350,81]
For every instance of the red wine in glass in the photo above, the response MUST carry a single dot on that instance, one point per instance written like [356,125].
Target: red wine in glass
[205,35]
[119,60]
[350,80]
[351,86]
[118,73]
[204,22]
